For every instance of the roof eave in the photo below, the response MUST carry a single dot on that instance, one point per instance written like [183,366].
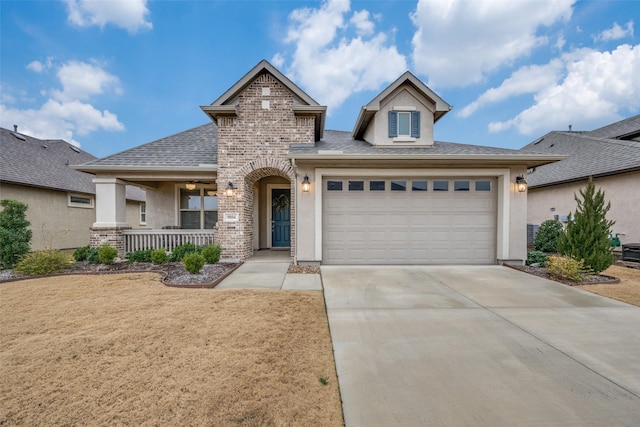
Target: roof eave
[585,177]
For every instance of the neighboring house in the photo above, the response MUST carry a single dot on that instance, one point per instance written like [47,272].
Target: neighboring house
[61,200]
[265,175]
[611,155]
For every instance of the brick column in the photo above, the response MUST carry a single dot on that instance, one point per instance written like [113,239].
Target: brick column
[111,235]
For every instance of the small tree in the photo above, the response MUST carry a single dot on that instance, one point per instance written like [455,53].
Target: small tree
[547,236]
[587,234]
[15,236]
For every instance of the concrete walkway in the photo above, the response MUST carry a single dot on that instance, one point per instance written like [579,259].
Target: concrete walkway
[264,273]
[479,346]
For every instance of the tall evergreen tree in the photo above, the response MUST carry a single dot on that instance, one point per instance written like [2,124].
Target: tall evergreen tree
[15,236]
[588,231]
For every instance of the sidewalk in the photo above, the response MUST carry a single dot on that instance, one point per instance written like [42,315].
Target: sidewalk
[270,275]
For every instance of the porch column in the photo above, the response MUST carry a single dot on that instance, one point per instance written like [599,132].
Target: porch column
[111,214]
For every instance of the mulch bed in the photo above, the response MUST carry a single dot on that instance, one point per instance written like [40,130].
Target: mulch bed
[173,273]
[303,269]
[589,279]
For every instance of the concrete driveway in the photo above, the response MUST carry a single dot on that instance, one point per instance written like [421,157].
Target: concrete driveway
[474,346]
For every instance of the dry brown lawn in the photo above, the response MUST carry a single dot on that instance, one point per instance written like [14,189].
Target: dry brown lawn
[628,290]
[126,350]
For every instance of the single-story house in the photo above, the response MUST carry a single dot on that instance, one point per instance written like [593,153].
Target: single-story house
[264,173]
[61,200]
[610,155]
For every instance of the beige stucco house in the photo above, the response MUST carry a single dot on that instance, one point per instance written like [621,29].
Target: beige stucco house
[610,155]
[264,174]
[61,200]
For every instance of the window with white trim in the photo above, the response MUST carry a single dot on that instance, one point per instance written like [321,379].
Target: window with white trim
[143,213]
[80,201]
[198,208]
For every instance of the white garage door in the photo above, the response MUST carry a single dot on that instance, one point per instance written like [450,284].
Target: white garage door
[409,221]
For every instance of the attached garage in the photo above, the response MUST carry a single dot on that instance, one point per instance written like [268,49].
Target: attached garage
[409,220]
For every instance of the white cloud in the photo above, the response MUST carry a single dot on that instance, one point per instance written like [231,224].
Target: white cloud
[596,85]
[329,62]
[616,32]
[67,112]
[81,80]
[128,14]
[458,42]
[529,79]
[39,67]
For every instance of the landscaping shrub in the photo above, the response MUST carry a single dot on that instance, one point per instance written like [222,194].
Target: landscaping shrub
[92,256]
[180,251]
[107,254]
[193,262]
[43,262]
[547,236]
[587,234]
[567,268]
[537,257]
[143,255]
[15,236]
[81,253]
[211,253]
[159,256]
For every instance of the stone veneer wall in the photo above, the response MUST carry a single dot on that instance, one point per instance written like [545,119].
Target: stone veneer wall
[111,235]
[252,145]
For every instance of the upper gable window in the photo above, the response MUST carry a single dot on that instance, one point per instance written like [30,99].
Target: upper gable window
[404,123]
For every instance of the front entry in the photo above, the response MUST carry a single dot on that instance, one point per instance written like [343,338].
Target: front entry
[280,218]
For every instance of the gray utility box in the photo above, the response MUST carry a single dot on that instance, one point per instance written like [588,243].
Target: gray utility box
[631,252]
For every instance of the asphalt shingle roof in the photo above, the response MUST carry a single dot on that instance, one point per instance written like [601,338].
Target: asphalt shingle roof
[342,141]
[618,130]
[45,163]
[589,155]
[189,148]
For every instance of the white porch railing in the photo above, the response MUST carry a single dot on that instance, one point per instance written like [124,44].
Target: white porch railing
[135,240]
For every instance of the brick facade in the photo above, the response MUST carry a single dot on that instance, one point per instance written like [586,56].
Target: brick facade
[252,145]
[111,235]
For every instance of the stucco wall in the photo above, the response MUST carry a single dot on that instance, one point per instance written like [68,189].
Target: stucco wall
[377,132]
[306,215]
[623,191]
[161,206]
[54,224]
[133,214]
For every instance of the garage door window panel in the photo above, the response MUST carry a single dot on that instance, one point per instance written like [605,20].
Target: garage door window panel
[461,186]
[398,185]
[334,185]
[440,185]
[483,185]
[377,185]
[356,185]
[418,185]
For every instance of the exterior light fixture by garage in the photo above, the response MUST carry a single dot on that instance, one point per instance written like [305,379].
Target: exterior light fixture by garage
[521,184]
[306,185]
[229,191]
[190,186]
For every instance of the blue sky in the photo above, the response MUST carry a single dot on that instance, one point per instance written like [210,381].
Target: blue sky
[110,75]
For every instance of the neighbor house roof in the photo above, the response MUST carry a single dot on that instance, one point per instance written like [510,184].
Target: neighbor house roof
[338,145]
[624,129]
[589,155]
[44,163]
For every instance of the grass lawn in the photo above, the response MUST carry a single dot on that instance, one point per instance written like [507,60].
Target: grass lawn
[628,290]
[126,350]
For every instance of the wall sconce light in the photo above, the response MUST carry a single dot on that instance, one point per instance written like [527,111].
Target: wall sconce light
[306,185]
[190,186]
[229,191]
[521,184]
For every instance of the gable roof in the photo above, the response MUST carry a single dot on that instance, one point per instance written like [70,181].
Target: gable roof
[45,163]
[368,111]
[339,145]
[304,105]
[589,154]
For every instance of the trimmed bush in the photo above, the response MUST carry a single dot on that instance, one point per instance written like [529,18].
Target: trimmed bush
[143,255]
[587,235]
[211,253]
[547,236]
[15,236]
[92,256]
[193,262]
[107,254]
[180,251]
[81,253]
[44,262]
[537,257]
[566,268]
[159,256]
